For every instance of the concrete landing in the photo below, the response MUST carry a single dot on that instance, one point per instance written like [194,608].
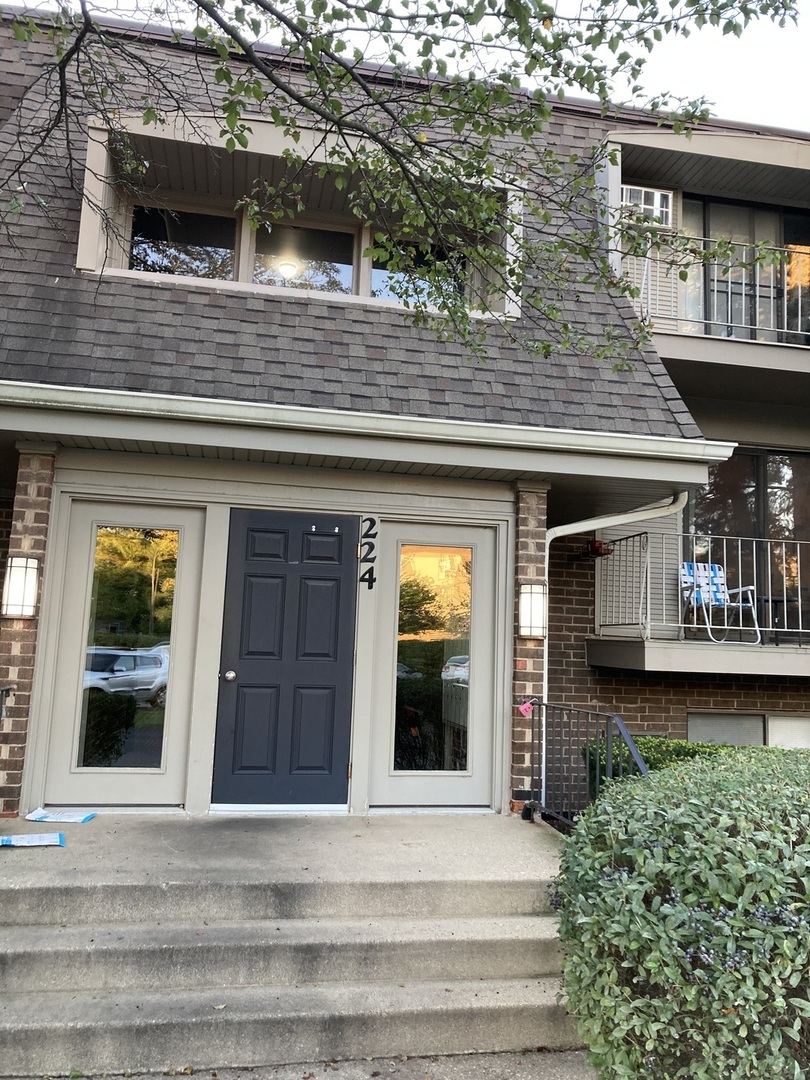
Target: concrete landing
[157,848]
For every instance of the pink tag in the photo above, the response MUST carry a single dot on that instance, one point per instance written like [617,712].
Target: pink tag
[526,709]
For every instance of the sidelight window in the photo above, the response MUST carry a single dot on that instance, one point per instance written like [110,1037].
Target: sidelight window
[433,653]
[127,656]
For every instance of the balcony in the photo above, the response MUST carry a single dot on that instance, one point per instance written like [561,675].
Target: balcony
[748,292]
[657,610]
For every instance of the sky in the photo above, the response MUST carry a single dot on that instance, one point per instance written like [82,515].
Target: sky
[758,78]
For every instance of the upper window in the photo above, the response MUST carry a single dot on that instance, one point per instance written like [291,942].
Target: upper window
[323,256]
[187,208]
[178,242]
[651,202]
[294,256]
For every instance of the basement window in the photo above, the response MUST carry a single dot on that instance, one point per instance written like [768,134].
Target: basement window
[739,729]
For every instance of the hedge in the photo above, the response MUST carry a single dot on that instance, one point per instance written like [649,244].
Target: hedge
[683,902]
[658,753]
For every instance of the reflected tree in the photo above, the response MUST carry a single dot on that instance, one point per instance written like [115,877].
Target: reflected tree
[134,578]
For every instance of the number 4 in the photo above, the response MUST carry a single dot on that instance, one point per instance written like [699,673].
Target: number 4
[369,577]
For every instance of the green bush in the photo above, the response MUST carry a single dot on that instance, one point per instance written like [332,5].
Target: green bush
[108,719]
[658,753]
[683,902]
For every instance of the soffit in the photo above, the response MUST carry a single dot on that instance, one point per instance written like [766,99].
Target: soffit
[682,168]
[194,170]
[571,498]
[704,379]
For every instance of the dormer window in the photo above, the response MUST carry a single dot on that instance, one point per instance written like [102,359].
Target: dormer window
[298,257]
[179,206]
[178,242]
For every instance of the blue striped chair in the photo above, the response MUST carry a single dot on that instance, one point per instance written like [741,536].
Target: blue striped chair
[704,591]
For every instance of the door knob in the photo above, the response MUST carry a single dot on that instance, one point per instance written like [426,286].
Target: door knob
[230,676]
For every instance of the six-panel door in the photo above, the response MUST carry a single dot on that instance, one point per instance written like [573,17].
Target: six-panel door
[284,717]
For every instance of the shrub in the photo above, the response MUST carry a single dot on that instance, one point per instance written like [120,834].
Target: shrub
[684,918]
[658,753]
[108,719]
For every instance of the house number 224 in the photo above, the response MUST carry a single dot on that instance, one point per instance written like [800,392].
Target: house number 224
[368,551]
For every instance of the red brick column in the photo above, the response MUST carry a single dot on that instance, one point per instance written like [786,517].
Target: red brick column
[527,679]
[29,536]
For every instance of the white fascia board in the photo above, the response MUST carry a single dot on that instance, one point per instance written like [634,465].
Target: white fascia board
[777,150]
[120,414]
[206,129]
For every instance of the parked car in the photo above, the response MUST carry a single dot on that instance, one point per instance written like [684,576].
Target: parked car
[457,668]
[404,672]
[143,673]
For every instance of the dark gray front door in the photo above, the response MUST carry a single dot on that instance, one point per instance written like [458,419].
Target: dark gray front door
[284,717]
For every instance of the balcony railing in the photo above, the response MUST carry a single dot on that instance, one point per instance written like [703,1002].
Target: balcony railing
[749,292]
[641,590]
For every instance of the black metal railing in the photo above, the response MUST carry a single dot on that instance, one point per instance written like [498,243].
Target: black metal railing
[573,752]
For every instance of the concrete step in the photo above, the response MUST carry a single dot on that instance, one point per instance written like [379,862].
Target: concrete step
[116,1032]
[196,900]
[525,1065]
[283,952]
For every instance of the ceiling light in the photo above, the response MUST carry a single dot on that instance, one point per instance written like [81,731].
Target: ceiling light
[287,269]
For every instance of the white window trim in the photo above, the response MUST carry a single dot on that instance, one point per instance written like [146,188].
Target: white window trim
[102,251]
[656,192]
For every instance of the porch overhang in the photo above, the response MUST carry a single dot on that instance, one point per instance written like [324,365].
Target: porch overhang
[756,166]
[697,657]
[602,470]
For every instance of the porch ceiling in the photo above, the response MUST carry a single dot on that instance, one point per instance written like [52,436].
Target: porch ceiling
[699,166]
[571,498]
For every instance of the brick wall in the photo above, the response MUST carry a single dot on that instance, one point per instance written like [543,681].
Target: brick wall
[6,514]
[648,701]
[527,678]
[28,536]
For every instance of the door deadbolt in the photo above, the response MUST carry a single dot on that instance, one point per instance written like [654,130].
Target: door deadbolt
[230,676]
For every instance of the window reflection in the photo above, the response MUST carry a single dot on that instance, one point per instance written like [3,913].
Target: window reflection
[177,242]
[301,258]
[761,496]
[756,494]
[433,654]
[126,662]
[415,283]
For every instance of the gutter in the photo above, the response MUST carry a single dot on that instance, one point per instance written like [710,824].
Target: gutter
[606,521]
[345,422]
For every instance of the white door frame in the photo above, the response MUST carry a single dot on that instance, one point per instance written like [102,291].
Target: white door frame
[65,783]
[212,488]
[475,785]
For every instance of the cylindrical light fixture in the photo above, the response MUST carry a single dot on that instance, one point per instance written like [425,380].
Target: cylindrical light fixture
[532,609]
[20,587]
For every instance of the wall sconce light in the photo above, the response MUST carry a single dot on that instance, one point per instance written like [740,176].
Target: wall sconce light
[20,587]
[532,609]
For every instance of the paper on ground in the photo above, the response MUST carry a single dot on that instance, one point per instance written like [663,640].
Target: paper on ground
[52,839]
[58,815]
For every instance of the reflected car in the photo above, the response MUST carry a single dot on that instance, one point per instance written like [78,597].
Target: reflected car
[404,672]
[457,668]
[141,673]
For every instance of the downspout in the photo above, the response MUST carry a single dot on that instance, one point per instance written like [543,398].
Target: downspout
[606,521]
